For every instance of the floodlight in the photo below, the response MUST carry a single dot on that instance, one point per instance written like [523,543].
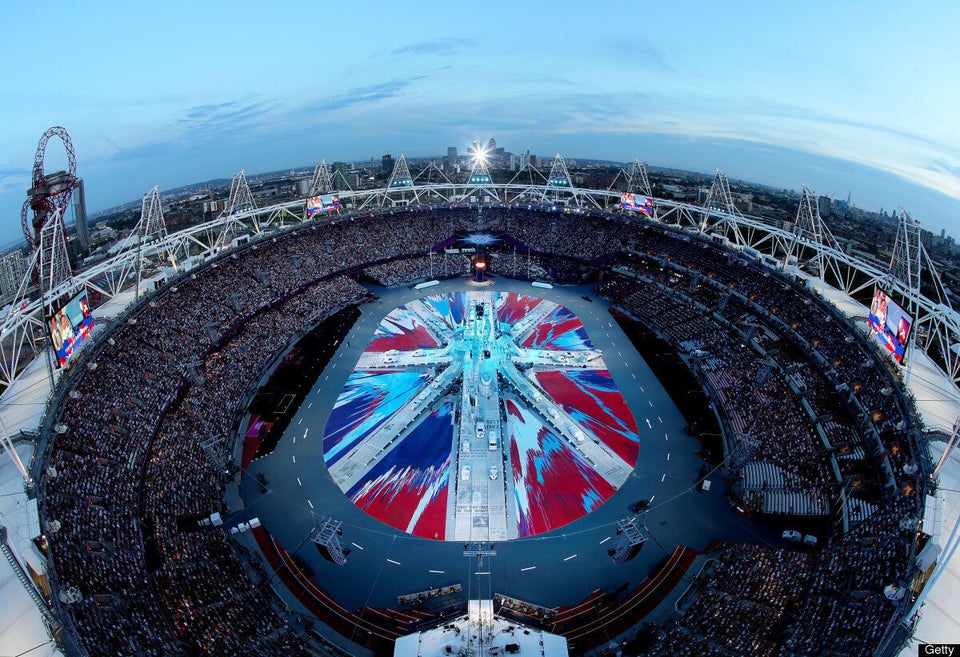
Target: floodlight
[479,153]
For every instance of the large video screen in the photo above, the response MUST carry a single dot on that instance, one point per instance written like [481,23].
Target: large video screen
[890,323]
[636,203]
[70,326]
[324,203]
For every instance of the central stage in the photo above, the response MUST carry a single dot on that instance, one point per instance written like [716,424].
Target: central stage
[292,490]
[480,416]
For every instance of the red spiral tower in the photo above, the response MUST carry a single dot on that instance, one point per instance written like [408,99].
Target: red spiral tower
[49,194]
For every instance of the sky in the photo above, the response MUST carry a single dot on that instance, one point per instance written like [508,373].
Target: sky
[845,97]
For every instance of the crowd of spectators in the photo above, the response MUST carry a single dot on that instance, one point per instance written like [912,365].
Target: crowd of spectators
[520,266]
[762,600]
[128,466]
[419,268]
[783,370]
[767,423]
[132,456]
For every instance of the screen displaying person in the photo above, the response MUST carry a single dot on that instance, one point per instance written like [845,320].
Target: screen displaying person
[882,312]
[903,329]
[86,319]
[55,334]
[875,304]
[66,333]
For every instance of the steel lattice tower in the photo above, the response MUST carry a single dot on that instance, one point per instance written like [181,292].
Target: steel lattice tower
[639,181]
[400,176]
[905,261]
[321,180]
[151,225]
[810,229]
[720,197]
[720,206]
[400,181]
[241,199]
[54,263]
[559,176]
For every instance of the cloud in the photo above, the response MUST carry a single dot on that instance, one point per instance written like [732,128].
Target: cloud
[15,180]
[910,157]
[644,52]
[205,111]
[446,46]
[536,118]
[151,151]
[636,54]
[18,173]
[205,121]
[368,94]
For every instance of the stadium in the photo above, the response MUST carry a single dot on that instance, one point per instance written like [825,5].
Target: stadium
[458,416]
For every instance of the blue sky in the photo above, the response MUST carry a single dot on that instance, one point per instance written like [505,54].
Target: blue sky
[860,97]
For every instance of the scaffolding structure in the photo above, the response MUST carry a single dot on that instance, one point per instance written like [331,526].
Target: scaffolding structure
[327,539]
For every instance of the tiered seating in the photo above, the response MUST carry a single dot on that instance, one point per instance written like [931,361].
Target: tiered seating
[129,466]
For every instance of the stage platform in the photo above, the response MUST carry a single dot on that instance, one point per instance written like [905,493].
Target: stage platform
[562,566]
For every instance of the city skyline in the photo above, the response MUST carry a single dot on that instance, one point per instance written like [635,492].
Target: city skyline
[834,98]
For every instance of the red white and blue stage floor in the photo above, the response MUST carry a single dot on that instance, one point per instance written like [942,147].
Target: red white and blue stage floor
[576,430]
[477,416]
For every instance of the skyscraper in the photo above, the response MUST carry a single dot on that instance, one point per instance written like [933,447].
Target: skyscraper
[80,216]
[452,155]
[13,268]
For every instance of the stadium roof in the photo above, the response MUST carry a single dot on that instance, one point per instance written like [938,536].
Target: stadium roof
[22,631]
[936,396]
[939,617]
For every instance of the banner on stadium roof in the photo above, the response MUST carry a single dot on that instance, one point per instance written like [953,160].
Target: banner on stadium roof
[890,323]
[636,203]
[324,203]
[70,326]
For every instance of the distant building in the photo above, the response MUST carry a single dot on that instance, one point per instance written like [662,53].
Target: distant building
[342,174]
[13,267]
[452,156]
[386,163]
[102,234]
[825,205]
[352,179]
[214,206]
[80,215]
